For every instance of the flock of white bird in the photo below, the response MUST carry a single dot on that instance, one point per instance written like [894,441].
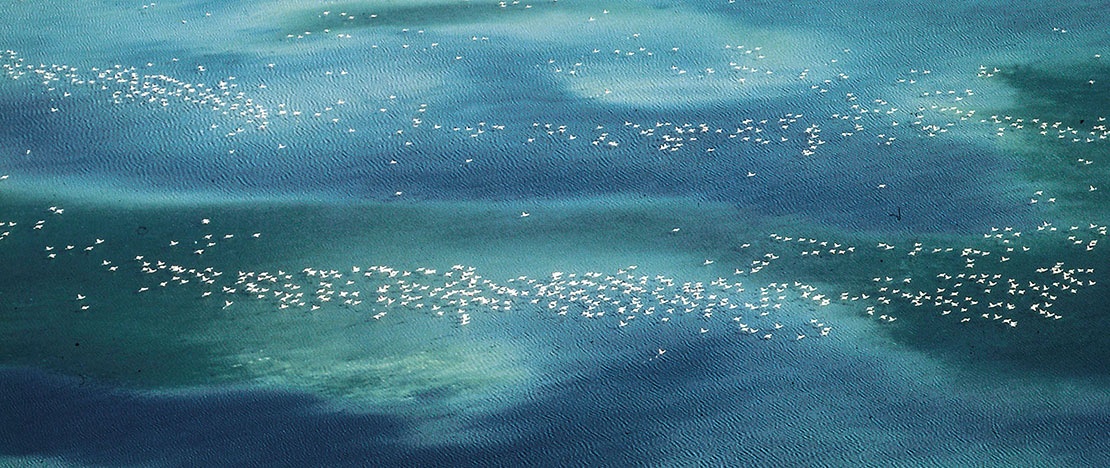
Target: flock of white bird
[992,280]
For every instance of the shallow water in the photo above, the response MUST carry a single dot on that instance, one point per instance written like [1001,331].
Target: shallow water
[577,233]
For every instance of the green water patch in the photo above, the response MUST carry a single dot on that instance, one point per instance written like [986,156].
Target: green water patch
[1073,93]
[70,314]
[348,16]
[1072,348]
[1062,133]
[1018,321]
[146,294]
[153,321]
[1013,301]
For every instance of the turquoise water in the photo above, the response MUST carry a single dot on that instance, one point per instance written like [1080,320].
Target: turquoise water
[445,233]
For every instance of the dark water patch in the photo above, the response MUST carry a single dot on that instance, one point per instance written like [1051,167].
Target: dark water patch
[1062,92]
[710,401]
[1066,146]
[718,400]
[1078,434]
[1074,347]
[155,340]
[90,135]
[84,422]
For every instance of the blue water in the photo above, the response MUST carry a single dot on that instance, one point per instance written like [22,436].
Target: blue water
[447,232]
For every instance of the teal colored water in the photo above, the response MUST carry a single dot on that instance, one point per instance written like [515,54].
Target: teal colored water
[446,233]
